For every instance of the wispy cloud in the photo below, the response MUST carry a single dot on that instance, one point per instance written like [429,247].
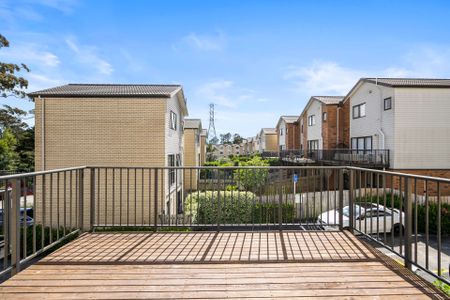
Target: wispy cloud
[328,77]
[88,56]
[65,6]
[214,42]
[31,54]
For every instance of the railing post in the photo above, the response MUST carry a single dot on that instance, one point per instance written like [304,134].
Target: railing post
[280,200]
[341,198]
[81,199]
[15,226]
[155,190]
[92,199]
[350,201]
[408,224]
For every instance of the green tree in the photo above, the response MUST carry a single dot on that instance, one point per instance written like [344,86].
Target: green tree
[9,158]
[12,118]
[12,84]
[25,149]
[225,138]
[237,139]
[252,179]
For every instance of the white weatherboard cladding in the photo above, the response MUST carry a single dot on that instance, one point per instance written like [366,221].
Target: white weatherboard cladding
[315,131]
[376,119]
[282,138]
[174,138]
[422,128]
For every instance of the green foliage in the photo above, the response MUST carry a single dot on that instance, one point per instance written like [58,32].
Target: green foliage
[442,286]
[421,212]
[10,83]
[9,158]
[252,179]
[236,207]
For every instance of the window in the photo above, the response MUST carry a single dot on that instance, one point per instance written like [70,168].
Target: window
[171,163]
[359,111]
[281,131]
[313,145]
[173,120]
[312,120]
[387,103]
[324,116]
[362,143]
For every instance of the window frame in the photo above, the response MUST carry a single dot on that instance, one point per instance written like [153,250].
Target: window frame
[173,120]
[358,108]
[387,100]
[324,116]
[311,120]
[171,162]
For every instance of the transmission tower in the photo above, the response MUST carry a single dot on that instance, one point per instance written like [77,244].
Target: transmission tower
[212,127]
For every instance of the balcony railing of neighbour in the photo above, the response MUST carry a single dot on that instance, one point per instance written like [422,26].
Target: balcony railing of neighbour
[408,215]
[347,157]
[269,154]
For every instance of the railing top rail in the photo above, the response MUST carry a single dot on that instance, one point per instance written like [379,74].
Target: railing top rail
[32,174]
[430,178]
[221,167]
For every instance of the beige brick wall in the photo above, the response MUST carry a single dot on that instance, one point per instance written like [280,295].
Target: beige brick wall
[107,132]
[271,142]
[191,159]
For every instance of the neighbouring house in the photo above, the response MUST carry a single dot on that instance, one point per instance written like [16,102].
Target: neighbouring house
[243,147]
[203,145]
[250,143]
[268,140]
[225,150]
[192,151]
[288,133]
[116,125]
[410,117]
[319,124]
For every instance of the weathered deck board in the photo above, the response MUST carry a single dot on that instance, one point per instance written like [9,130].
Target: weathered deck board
[208,265]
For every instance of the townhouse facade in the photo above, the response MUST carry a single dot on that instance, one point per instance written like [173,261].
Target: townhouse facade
[409,117]
[83,124]
[192,151]
[267,140]
[203,145]
[223,151]
[320,124]
[288,133]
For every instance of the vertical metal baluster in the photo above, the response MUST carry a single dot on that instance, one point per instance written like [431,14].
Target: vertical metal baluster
[360,200]
[377,182]
[15,227]
[128,197]
[98,196]
[341,199]
[51,209]
[135,197]
[58,205]
[321,190]
[408,223]
[6,224]
[106,198]
[392,209]
[142,196]
[190,195]
[24,214]
[401,215]
[439,224]
[385,208]
[34,214]
[113,197]
[65,203]
[120,196]
[415,221]
[155,191]
[79,185]
[43,212]
[176,198]
[150,197]
[70,200]
[92,204]
[370,201]
[427,226]
[280,199]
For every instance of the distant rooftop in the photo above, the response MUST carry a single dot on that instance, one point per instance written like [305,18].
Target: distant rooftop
[109,90]
[329,99]
[289,119]
[192,123]
[409,82]
[269,130]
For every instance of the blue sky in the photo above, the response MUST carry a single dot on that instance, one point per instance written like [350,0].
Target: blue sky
[256,60]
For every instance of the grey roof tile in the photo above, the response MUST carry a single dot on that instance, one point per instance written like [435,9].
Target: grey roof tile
[409,82]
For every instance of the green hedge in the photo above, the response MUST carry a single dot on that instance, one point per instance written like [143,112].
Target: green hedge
[238,207]
[421,213]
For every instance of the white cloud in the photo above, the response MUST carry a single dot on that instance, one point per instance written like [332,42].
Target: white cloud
[30,54]
[326,77]
[88,56]
[202,42]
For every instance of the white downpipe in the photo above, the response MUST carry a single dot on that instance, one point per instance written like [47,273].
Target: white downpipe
[382,138]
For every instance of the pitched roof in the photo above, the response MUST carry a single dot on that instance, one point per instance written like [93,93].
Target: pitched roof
[289,119]
[409,82]
[110,90]
[204,132]
[329,99]
[192,123]
[269,130]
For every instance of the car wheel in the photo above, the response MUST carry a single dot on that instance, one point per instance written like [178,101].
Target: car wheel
[397,229]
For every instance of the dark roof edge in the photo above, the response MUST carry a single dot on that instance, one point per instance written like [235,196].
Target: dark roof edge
[37,94]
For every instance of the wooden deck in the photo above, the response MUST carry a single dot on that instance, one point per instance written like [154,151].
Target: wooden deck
[205,265]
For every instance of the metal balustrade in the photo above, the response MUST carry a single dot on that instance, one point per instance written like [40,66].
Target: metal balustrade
[406,214]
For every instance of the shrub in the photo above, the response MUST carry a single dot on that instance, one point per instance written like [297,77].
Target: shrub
[252,179]
[237,207]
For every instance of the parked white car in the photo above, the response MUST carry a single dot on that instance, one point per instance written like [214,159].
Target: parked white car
[369,218]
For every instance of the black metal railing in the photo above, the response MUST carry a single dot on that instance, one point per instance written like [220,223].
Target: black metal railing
[347,157]
[407,214]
